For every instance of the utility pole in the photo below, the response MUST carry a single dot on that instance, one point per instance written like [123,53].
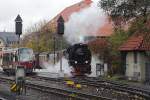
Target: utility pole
[54,38]
[18,29]
[20,70]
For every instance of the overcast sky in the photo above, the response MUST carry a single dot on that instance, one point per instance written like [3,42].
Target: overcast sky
[31,11]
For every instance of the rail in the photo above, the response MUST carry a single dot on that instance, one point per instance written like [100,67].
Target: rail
[59,91]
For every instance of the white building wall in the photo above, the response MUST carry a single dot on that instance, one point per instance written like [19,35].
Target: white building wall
[142,60]
[138,69]
[132,69]
[95,61]
[2,44]
[129,66]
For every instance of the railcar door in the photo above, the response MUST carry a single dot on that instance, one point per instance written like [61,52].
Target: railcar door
[7,61]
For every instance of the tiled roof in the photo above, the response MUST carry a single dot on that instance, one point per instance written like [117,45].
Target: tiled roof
[8,37]
[98,45]
[105,30]
[74,8]
[140,42]
[99,42]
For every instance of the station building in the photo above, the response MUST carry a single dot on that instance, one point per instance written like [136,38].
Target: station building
[136,57]
[7,40]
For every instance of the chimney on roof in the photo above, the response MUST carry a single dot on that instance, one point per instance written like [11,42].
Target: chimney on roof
[88,1]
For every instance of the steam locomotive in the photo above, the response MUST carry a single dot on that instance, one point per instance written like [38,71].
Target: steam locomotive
[79,58]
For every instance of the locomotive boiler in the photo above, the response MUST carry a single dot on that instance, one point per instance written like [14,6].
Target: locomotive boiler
[79,58]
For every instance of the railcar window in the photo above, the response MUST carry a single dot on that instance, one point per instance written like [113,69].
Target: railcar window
[5,58]
[25,54]
[16,58]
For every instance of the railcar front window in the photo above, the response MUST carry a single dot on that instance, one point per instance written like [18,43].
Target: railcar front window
[25,54]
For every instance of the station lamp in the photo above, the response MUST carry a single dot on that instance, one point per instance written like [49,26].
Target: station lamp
[60,25]
[18,25]
[60,32]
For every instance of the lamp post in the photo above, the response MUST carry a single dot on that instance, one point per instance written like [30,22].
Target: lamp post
[54,46]
[38,50]
[20,71]
[18,27]
[18,30]
[60,32]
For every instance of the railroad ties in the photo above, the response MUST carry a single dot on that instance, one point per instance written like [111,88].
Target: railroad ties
[84,88]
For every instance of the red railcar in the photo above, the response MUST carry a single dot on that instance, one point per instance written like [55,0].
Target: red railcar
[18,56]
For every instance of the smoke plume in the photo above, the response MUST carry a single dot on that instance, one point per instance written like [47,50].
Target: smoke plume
[81,24]
[84,23]
[50,68]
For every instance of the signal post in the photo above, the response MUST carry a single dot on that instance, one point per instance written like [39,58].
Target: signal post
[60,32]
[19,84]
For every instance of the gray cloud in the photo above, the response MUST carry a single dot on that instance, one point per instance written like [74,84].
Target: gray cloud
[31,11]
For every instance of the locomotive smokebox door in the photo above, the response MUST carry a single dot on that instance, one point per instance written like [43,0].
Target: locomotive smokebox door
[20,73]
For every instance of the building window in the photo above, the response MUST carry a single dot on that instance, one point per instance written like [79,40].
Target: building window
[135,57]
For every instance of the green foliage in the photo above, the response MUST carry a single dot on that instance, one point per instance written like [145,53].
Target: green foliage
[31,44]
[116,40]
[126,9]
[41,39]
[139,26]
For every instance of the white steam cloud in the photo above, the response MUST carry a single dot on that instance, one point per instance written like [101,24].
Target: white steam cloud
[51,70]
[84,23]
[81,24]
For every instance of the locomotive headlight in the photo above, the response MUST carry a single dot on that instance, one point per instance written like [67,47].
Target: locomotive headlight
[75,62]
[86,61]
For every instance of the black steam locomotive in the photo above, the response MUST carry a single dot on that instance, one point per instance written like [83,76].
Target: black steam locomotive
[79,58]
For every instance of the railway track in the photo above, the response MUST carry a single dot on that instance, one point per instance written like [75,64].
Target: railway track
[116,86]
[70,94]
[133,93]
[98,83]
